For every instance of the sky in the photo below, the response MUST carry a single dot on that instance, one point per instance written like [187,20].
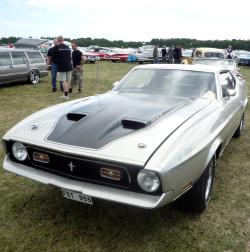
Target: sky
[128,20]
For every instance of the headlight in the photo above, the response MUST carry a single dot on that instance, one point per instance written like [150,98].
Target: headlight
[148,180]
[19,151]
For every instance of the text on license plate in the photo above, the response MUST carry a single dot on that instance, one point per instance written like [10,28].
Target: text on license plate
[77,196]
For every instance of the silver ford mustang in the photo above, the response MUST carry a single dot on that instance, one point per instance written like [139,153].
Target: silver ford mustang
[152,139]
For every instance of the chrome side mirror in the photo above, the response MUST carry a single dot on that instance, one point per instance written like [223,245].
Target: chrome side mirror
[115,84]
[231,92]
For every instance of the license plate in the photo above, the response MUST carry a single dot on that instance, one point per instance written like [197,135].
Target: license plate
[77,196]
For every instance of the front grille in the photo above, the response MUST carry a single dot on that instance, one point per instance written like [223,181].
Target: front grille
[78,168]
[82,168]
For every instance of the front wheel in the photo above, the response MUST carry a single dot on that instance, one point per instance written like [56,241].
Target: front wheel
[198,197]
[34,76]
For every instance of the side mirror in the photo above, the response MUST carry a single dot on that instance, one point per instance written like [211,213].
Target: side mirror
[115,84]
[231,92]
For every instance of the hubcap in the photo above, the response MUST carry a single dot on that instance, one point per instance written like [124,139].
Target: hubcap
[209,182]
[241,124]
[34,77]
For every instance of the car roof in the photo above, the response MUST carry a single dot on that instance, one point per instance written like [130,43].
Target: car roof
[30,42]
[17,50]
[201,68]
[209,49]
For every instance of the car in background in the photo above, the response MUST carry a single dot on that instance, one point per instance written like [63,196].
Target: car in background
[153,139]
[90,57]
[101,52]
[30,43]
[21,65]
[244,59]
[117,54]
[207,52]
[146,56]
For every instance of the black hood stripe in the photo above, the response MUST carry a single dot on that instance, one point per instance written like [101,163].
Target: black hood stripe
[110,117]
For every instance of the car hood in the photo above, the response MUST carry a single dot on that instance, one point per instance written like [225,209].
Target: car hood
[111,117]
[123,127]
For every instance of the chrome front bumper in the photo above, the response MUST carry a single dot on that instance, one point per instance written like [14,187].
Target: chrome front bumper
[96,191]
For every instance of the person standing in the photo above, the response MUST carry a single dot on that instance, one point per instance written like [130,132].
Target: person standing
[171,54]
[77,73]
[51,61]
[177,54]
[62,53]
[164,54]
[155,54]
[229,52]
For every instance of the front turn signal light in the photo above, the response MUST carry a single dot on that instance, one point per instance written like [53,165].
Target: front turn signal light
[110,173]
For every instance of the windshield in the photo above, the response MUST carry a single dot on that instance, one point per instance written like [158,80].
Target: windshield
[169,82]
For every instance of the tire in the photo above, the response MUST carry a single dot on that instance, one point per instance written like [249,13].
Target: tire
[198,197]
[238,131]
[34,76]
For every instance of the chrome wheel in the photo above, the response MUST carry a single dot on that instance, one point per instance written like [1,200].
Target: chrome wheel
[34,76]
[209,183]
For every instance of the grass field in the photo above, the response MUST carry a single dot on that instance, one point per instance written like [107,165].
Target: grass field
[35,217]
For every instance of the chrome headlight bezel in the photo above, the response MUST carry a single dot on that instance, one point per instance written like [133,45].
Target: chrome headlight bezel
[148,180]
[19,151]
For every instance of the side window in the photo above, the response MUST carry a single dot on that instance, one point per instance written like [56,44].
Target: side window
[208,54]
[219,55]
[35,57]
[5,59]
[19,58]
[227,82]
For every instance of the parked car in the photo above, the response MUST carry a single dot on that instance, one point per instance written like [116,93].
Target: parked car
[30,43]
[90,57]
[151,140]
[244,59]
[21,65]
[146,56]
[207,52]
[100,52]
[119,54]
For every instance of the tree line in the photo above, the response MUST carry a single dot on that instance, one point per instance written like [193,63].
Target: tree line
[184,42]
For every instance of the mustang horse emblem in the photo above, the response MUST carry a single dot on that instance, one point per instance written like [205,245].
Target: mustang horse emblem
[71,166]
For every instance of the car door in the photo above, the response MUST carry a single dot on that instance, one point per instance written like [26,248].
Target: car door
[20,65]
[6,70]
[232,103]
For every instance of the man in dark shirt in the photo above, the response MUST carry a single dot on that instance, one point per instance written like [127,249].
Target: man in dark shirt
[155,54]
[51,61]
[62,54]
[77,73]
[177,54]
[164,54]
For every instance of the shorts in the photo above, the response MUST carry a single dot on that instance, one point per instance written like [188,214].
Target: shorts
[64,76]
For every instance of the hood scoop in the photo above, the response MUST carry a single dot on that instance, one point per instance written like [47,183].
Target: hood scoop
[133,124]
[110,117]
[75,116]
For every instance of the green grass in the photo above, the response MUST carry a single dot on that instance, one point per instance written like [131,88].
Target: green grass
[35,217]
